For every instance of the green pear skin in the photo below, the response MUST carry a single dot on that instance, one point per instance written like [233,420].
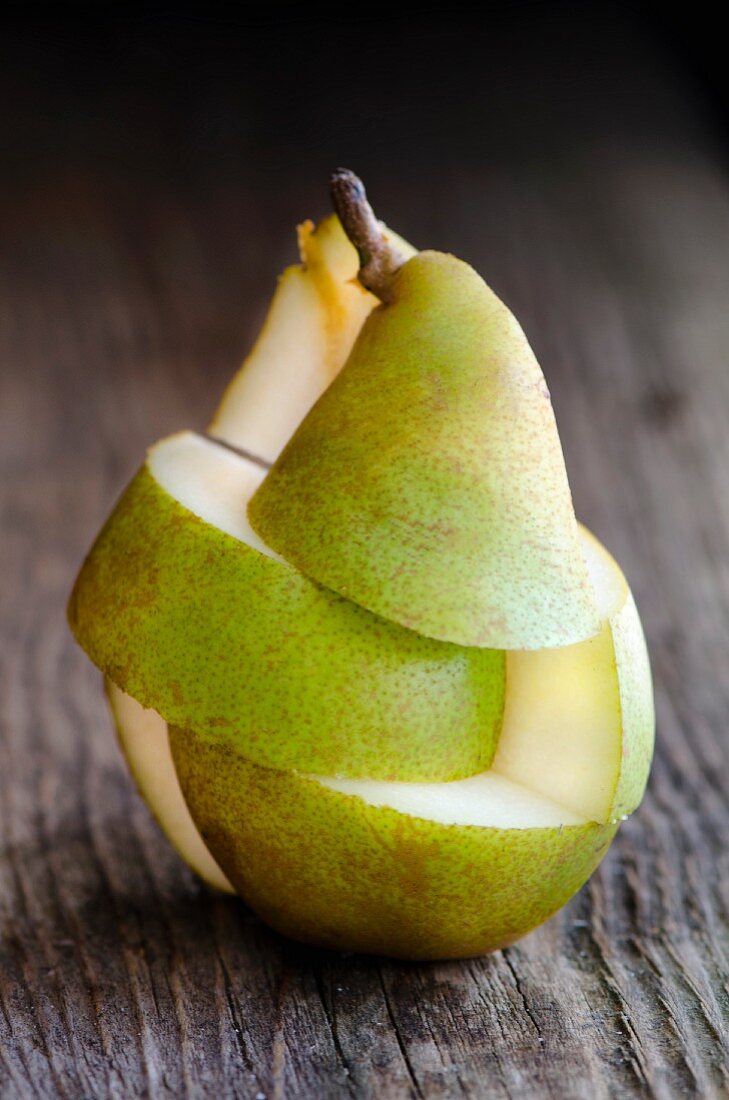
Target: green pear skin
[428,483]
[637,709]
[329,869]
[221,638]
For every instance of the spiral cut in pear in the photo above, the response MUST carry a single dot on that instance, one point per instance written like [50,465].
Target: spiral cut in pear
[434,870]
[428,482]
[183,607]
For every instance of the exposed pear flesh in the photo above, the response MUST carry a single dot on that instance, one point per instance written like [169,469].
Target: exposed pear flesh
[181,606]
[145,742]
[428,482]
[330,868]
[487,800]
[579,720]
[312,323]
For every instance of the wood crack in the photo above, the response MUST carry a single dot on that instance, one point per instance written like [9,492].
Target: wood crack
[400,1040]
[238,1029]
[524,999]
[330,1017]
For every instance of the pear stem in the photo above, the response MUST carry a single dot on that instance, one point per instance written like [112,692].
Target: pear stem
[379,261]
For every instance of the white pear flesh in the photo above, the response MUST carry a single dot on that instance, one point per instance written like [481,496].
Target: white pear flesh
[488,801]
[145,743]
[211,482]
[313,320]
[579,721]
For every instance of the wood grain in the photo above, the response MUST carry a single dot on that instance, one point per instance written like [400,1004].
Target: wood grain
[124,305]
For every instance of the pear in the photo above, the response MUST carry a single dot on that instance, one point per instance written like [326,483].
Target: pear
[428,483]
[183,608]
[313,320]
[145,742]
[436,870]
[601,685]
[332,868]
[409,698]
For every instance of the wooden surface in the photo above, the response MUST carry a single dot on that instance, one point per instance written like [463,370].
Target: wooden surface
[133,276]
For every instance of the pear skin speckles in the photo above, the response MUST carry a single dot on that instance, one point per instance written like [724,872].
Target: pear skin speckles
[428,482]
[221,638]
[330,869]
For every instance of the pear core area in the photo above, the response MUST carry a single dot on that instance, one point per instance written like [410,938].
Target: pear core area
[578,720]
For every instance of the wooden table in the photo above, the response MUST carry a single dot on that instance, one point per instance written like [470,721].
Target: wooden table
[143,219]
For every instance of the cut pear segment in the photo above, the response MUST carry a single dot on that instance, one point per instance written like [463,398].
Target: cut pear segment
[312,323]
[180,605]
[328,867]
[428,482]
[579,721]
[145,742]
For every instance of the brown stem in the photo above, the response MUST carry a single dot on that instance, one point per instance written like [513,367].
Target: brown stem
[378,260]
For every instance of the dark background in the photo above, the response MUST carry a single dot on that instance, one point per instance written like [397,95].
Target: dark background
[150,93]
[153,164]
[417,79]
[198,138]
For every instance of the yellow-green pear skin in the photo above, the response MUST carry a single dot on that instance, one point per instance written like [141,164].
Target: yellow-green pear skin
[637,709]
[329,869]
[222,638]
[428,483]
